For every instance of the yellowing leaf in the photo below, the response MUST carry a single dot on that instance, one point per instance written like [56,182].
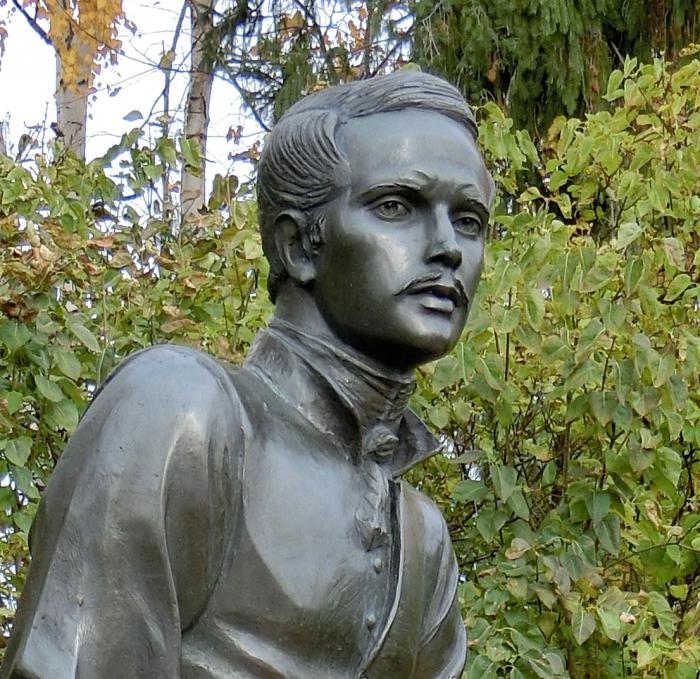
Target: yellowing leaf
[517,548]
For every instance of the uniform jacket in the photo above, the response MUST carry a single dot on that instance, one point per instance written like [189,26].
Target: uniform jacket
[210,523]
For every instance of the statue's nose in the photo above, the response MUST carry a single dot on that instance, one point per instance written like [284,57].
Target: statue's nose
[443,246]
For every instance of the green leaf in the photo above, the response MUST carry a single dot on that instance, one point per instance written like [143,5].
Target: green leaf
[24,479]
[678,391]
[68,363]
[670,463]
[14,335]
[596,278]
[446,373]
[645,402]
[665,616]
[666,368]
[627,233]
[166,151]
[556,664]
[48,389]
[577,407]
[614,81]
[679,591]
[489,522]
[440,417]
[678,286]
[582,625]
[190,151]
[167,59]
[252,249]
[534,307]
[598,505]
[23,520]
[540,665]
[632,274]
[518,505]
[18,450]
[487,370]
[469,491]
[63,415]
[14,401]
[608,532]
[504,480]
[468,361]
[589,336]
[7,499]
[603,406]
[610,621]
[646,653]
[85,336]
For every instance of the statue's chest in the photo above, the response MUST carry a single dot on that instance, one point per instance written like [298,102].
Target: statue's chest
[296,570]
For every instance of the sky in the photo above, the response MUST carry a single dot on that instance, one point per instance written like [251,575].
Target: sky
[27,78]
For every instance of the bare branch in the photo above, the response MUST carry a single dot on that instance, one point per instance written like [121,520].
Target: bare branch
[33,23]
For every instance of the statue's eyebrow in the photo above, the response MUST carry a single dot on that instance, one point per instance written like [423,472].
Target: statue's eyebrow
[420,182]
[397,185]
[476,205]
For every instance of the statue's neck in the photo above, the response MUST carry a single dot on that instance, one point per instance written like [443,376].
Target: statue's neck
[371,392]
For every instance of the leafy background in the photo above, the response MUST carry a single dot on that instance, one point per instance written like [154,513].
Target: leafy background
[570,408]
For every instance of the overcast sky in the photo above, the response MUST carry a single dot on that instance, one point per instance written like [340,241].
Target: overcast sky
[27,78]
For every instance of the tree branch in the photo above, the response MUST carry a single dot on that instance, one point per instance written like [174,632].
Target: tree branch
[32,22]
[246,100]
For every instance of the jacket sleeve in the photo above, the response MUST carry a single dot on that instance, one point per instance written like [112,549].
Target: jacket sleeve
[129,531]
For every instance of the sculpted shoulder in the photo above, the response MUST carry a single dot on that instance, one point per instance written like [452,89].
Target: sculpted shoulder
[167,383]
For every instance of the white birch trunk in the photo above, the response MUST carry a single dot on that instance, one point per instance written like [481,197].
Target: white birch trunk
[71,107]
[197,108]
[71,111]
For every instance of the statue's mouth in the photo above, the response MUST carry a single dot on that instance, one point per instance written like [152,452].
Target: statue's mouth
[437,295]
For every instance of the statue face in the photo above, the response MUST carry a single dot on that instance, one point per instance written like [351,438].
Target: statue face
[404,242]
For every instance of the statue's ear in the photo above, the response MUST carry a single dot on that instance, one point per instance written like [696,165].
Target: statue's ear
[294,247]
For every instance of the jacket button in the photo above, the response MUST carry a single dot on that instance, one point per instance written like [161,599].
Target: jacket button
[378,565]
[371,620]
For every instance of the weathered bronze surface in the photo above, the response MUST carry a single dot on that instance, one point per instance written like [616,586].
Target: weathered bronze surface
[206,522]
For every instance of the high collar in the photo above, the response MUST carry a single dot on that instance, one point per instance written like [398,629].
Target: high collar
[358,404]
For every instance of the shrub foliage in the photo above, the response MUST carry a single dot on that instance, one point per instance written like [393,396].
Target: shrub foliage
[571,407]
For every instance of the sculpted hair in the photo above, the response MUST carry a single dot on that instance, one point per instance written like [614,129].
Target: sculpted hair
[302,166]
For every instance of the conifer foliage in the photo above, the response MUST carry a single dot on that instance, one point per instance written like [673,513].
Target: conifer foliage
[541,58]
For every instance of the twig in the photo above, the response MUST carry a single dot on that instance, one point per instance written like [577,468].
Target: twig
[33,23]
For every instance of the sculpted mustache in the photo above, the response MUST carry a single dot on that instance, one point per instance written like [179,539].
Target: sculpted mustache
[416,284]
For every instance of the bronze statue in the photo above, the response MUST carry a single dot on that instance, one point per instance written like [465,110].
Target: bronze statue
[206,522]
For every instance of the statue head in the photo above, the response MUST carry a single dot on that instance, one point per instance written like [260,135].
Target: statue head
[312,174]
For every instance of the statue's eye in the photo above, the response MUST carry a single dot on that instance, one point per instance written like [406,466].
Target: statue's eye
[467,224]
[392,209]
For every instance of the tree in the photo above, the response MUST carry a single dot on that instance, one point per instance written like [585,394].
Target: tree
[290,47]
[83,33]
[546,58]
